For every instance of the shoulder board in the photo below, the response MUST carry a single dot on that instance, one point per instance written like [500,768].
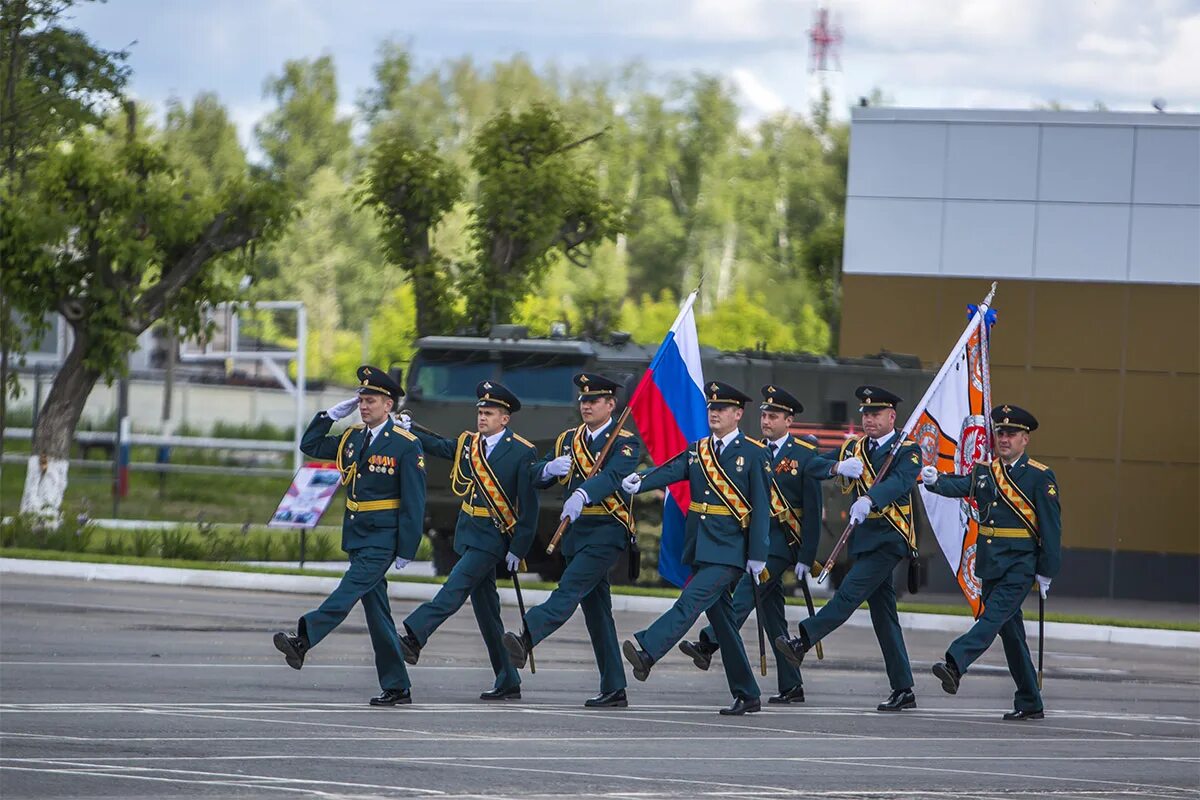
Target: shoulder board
[404,433]
[523,440]
[1037,465]
[357,427]
[755,442]
[625,434]
[803,443]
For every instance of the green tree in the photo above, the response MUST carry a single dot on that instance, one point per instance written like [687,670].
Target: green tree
[411,188]
[203,141]
[534,199]
[305,132]
[110,236]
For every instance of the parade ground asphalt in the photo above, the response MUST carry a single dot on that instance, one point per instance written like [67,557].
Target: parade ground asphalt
[123,690]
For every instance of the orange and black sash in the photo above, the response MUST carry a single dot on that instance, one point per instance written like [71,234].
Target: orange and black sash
[483,479]
[714,474]
[783,511]
[897,514]
[1015,499]
[584,460]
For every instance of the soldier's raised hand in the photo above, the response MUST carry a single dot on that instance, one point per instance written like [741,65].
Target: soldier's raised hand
[849,468]
[557,468]
[404,420]
[929,475]
[343,409]
[632,483]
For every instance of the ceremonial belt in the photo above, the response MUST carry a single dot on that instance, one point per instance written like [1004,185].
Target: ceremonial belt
[476,511]
[583,460]
[483,479]
[715,475]
[1015,499]
[372,505]
[896,514]
[781,510]
[1004,533]
[718,509]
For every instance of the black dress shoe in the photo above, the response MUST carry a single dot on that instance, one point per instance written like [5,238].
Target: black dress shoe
[518,647]
[614,699]
[392,697]
[900,700]
[947,673]
[742,705]
[1020,716]
[700,652]
[411,648]
[792,650]
[293,648]
[792,695]
[639,658]
[511,693]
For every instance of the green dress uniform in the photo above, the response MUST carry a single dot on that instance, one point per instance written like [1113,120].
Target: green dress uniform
[877,545]
[1020,534]
[384,476]
[719,539]
[499,515]
[796,469]
[593,543]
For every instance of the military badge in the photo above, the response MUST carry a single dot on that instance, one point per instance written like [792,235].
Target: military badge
[627,451]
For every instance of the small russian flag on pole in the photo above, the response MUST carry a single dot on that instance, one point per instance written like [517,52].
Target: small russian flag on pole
[669,410]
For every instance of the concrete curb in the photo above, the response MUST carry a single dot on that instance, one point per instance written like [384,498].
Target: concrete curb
[407,590]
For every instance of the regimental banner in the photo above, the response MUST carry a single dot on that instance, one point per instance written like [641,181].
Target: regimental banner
[952,432]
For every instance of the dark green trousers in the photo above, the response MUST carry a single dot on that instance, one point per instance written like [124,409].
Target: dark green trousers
[1001,615]
[708,592]
[869,580]
[585,585]
[774,620]
[474,578]
[364,582]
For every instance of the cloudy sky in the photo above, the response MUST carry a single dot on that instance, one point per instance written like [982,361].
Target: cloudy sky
[957,53]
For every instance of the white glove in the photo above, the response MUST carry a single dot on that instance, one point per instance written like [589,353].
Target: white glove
[512,562]
[850,468]
[802,571]
[632,483]
[404,420]
[401,563]
[860,509]
[929,475]
[557,468]
[343,409]
[1043,585]
[574,505]
[755,568]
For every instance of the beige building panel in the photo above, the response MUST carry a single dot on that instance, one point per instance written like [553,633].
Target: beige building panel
[1157,508]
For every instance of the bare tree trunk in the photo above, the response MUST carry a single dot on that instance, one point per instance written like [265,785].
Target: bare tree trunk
[46,474]
[725,270]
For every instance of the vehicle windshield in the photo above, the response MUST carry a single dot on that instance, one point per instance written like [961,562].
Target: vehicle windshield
[450,374]
[536,378]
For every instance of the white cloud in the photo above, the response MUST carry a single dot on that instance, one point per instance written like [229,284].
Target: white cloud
[755,92]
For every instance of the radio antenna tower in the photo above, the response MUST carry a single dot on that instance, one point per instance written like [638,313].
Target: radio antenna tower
[825,38]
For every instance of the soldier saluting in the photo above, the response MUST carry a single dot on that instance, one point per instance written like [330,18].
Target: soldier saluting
[796,472]
[383,471]
[602,526]
[491,471]
[728,525]
[1019,536]
[883,535]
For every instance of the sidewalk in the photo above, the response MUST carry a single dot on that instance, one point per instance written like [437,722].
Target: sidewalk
[1103,607]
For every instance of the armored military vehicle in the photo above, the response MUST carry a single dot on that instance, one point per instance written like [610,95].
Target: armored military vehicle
[445,370]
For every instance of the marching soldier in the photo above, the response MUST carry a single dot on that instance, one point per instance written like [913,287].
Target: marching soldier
[383,470]
[601,528]
[883,535]
[728,525]
[795,530]
[1019,535]
[491,470]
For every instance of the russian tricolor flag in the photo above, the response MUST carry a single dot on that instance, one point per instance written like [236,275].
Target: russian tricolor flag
[669,409]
